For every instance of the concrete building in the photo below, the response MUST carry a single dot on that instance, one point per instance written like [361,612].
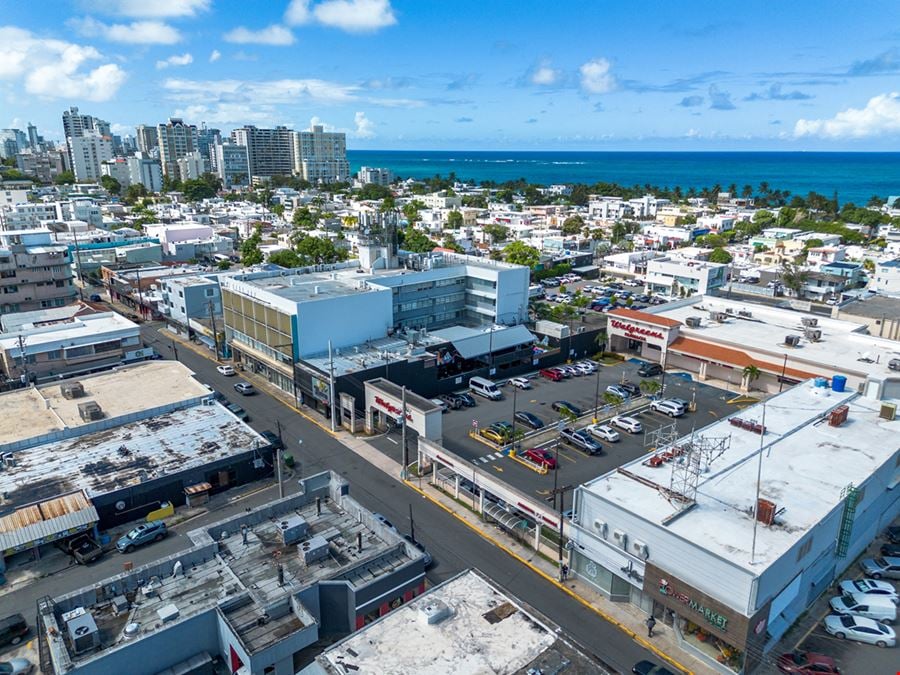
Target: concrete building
[182,242]
[146,171]
[886,278]
[47,344]
[368,175]
[92,254]
[269,151]
[337,569]
[176,139]
[191,166]
[458,625]
[117,168]
[881,314]
[75,124]
[191,297]
[12,193]
[730,572]
[232,164]
[677,276]
[34,273]
[147,138]
[88,152]
[321,156]
[45,165]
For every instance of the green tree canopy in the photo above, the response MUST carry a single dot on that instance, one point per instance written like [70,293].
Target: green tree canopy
[454,220]
[573,225]
[134,192]
[198,189]
[111,185]
[285,258]
[64,178]
[250,251]
[319,251]
[519,253]
[374,191]
[497,233]
[813,243]
[450,242]
[305,219]
[416,241]
[720,255]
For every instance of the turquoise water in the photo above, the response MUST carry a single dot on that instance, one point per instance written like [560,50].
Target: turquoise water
[855,176]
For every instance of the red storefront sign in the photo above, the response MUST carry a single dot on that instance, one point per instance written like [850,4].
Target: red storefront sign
[391,408]
[636,332]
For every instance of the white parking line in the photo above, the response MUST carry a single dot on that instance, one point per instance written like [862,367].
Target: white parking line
[393,441]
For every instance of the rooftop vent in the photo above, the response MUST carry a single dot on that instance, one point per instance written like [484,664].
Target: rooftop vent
[813,334]
[888,411]
[435,612]
[292,529]
[693,322]
[90,411]
[809,321]
[745,313]
[313,549]
[838,416]
[765,511]
[72,390]
[792,340]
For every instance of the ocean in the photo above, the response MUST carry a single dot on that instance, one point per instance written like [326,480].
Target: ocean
[856,176]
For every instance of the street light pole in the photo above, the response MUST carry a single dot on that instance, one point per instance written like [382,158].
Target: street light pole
[597,398]
[515,392]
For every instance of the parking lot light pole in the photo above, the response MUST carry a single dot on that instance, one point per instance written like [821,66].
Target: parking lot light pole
[596,417]
[515,446]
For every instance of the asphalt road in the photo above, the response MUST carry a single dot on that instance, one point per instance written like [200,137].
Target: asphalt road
[453,545]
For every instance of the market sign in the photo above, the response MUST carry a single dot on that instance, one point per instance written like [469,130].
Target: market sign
[718,620]
[634,331]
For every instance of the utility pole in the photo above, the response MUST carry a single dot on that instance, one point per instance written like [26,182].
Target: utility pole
[331,401]
[758,481]
[597,398]
[25,374]
[412,525]
[174,348]
[513,439]
[212,319]
[278,461]
[78,261]
[403,433]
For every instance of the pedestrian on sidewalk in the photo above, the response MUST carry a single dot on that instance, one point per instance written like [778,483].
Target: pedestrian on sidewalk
[651,622]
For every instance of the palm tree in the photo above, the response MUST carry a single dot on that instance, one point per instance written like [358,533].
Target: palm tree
[613,400]
[650,387]
[750,374]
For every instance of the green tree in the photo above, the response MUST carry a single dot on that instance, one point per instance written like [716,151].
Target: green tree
[720,255]
[411,211]
[712,240]
[450,242]
[134,192]
[305,219]
[64,178]
[520,253]
[416,241]
[171,184]
[793,277]
[285,258]
[250,251]
[650,387]
[224,265]
[197,189]
[475,201]
[750,374]
[573,225]
[579,195]
[111,185]
[813,243]
[497,233]
[319,251]
[454,220]
[372,191]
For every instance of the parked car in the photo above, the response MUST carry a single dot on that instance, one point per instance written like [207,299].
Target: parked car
[667,407]
[603,432]
[870,587]
[520,382]
[541,457]
[585,367]
[440,403]
[566,407]
[571,371]
[806,663]
[95,297]
[581,440]
[142,534]
[684,403]
[16,667]
[426,556]
[451,401]
[649,668]
[618,390]
[632,389]
[384,521]
[878,568]
[244,388]
[553,374]
[82,548]
[12,629]
[493,435]
[467,399]
[650,370]
[890,550]
[273,439]
[628,424]
[878,607]
[529,419]
[860,629]
[225,370]
[893,533]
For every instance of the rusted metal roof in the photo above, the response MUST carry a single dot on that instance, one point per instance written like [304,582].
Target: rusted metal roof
[197,488]
[47,520]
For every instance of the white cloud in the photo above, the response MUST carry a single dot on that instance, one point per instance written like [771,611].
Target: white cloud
[56,68]
[881,116]
[596,77]
[142,9]
[175,60]
[365,128]
[136,32]
[274,35]
[215,56]
[545,76]
[231,114]
[297,13]
[355,16]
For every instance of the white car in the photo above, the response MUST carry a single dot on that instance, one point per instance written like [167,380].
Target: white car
[520,382]
[628,424]
[585,368]
[870,587]
[604,432]
[860,629]
[667,407]
[227,371]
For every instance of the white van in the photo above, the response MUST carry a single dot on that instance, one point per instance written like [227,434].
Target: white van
[486,388]
[878,607]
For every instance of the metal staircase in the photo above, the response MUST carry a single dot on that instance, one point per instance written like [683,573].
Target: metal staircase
[850,496]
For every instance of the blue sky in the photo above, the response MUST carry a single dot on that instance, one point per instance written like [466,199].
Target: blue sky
[460,74]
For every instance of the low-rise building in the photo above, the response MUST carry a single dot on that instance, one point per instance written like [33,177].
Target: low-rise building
[191,297]
[881,314]
[35,273]
[252,591]
[676,276]
[886,278]
[375,176]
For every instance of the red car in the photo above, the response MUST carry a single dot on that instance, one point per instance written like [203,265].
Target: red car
[807,663]
[542,457]
[552,374]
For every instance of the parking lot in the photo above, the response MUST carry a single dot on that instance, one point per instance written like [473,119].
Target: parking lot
[575,467]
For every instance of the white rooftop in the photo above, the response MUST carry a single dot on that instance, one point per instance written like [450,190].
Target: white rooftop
[806,464]
[843,346]
[85,329]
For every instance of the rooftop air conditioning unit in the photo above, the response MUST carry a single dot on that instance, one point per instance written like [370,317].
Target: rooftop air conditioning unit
[813,334]
[729,310]
[809,321]
[888,411]
[83,633]
[746,313]
[640,549]
[720,317]
[620,537]
[90,411]
[601,527]
[313,549]
[72,390]
[792,340]
[693,322]
[293,529]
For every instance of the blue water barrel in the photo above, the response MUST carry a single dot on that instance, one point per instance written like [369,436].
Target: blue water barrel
[838,383]
[821,382]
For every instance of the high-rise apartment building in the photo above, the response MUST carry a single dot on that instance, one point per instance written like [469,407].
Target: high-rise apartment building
[147,138]
[88,152]
[207,140]
[35,273]
[269,151]
[231,164]
[75,124]
[321,156]
[145,170]
[176,139]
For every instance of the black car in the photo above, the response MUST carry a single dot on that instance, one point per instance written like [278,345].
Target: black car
[273,439]
[893,534]
[12,629]
[631,388]
[890,550]
[452,400]
[650,370]
[467,400]
[565,406]
[649,668]
[529,419]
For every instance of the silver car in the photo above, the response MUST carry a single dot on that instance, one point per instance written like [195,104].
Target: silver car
[870,587]
[878,568]
[860,629]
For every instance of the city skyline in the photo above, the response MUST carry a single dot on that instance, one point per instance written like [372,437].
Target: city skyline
[397,75]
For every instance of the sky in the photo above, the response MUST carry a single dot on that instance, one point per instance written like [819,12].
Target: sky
[468,75]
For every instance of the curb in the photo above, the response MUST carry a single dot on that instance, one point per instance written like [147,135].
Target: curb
[615,622]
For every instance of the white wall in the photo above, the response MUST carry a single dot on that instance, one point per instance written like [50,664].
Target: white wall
[346,320]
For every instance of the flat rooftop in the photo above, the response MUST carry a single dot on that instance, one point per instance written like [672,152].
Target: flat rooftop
[485,631]
[873,307]
[806,465]
[314,286]
[843,346]
[37,411]
[108,460]
[85,329]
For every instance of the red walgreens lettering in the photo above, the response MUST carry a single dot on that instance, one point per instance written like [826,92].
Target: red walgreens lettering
[390,407]
[631,329]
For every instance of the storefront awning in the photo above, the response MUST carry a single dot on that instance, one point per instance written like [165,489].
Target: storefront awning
[471,343]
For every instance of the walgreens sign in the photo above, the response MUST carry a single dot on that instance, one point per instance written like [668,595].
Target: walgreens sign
[635,332]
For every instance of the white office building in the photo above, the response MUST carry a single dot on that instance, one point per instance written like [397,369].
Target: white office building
[321,156]
[146,171]
[176,139]
[232,165]
[118,169]
[191,166]
[88,152]
[368,175]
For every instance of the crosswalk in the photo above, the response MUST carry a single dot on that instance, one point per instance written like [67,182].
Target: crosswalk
[487,458]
